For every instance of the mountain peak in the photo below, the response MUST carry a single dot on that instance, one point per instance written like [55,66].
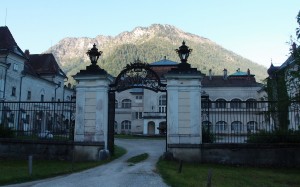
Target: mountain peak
[149,44]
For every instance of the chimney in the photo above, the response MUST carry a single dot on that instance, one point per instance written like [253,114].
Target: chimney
[27,53]
[225,74]
[248,72]
[209,74]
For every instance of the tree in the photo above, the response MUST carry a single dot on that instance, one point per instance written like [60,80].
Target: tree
[298,29]
[293,73]
[283,85]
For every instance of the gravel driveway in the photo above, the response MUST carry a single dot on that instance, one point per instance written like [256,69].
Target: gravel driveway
[117,172]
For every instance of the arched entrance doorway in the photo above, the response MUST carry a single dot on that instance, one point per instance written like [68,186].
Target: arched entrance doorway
[162,127]
[151,128]
[134,75]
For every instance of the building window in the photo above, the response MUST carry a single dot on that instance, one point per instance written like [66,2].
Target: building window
[235,103]
[236,126]
[13,91]
[206,125]
[206,103]
[15,67]
[27,119]
[116,104]
[126,125]
[138,115]
[251,103]
[11,118]
[221,126]
[251,126]
[138,97]
[42,98]
[116,127]
[28,95]
[162,102]
[126,103]
[220,103]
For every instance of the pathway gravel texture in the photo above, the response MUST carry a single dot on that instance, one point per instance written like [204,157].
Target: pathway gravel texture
[116,173]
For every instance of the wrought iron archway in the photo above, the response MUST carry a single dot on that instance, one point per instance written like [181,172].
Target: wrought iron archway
[134,75]
[138,75]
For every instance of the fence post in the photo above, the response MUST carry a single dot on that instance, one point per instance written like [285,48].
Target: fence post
[30,164]
[209,179]
[180,167]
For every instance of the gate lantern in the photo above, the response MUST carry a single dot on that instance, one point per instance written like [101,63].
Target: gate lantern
[183,53]
[94,54]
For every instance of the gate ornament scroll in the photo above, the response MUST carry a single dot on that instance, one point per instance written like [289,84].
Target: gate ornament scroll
[138,75]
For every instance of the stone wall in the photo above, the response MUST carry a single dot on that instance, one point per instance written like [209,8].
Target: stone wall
[43,149]
[286,155]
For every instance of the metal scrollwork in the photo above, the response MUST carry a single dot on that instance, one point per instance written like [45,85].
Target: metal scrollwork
[138,75]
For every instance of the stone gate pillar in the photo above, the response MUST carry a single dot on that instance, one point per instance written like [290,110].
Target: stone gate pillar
[90,133]
[184,134]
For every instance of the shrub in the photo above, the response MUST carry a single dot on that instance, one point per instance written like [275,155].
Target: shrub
[207,136]
[278,136]
[6,132]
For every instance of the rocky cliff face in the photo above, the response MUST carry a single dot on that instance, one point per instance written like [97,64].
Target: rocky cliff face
[70,48]
[150,44]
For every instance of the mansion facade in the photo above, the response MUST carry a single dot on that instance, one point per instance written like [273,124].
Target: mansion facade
[26,77]
[142,111]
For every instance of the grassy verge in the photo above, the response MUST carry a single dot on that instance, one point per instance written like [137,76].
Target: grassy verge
[16,171]
[226,176]
[138,158]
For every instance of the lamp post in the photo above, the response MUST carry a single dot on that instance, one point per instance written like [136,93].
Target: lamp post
[183,53]
[94,54]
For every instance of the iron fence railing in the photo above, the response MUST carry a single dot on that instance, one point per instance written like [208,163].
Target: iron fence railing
[37,120]
[250,121]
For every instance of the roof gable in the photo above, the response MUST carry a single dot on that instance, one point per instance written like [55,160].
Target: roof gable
[45,64]
[8,43]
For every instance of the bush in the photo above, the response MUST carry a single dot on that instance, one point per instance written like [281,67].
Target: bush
[207,137]
[278,136]
[6,132]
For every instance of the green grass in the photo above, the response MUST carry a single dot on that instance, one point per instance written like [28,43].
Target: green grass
[227,176]
[138,158]
[16,171]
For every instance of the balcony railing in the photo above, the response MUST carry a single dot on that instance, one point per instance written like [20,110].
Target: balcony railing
[154,115]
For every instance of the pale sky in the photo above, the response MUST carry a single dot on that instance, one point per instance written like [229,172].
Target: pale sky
[255,29]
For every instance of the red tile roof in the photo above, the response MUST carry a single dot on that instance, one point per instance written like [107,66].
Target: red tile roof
[45,64]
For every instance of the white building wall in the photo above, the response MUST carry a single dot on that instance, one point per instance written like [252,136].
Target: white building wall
[229,93]
[13,77]
[37,87]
